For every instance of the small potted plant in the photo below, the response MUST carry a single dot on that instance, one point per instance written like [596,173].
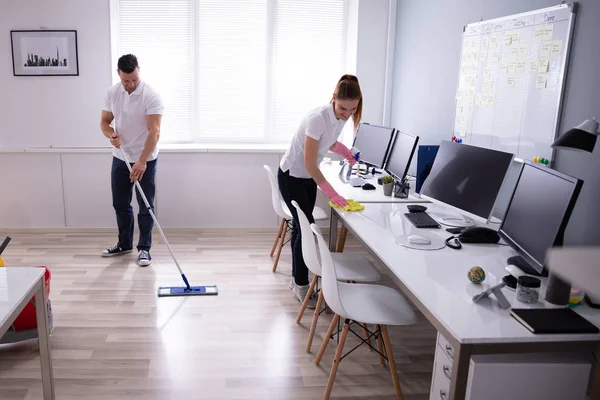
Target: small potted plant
[388,185]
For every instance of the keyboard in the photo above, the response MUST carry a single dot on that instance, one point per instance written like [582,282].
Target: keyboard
[357,182]
[421,220]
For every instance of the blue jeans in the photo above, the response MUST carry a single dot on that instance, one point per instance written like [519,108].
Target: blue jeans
[121,196]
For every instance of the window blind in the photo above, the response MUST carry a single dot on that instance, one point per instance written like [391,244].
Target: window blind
[243,71]
[159,33]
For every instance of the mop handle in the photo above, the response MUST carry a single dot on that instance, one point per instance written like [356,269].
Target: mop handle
[139,188]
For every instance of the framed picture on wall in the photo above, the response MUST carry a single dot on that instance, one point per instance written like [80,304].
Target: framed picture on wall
[44,53]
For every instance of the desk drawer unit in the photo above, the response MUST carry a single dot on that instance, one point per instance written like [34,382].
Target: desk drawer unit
[442,370]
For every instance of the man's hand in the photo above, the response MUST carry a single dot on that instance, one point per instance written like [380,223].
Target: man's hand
[115,140]
[137,171]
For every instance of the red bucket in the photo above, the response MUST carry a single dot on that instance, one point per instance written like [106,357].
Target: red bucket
[27,319]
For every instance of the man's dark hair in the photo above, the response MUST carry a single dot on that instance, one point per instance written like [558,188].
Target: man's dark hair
[127,63]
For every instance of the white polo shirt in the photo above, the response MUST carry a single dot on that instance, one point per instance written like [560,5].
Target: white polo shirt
[320,124]
[130,111]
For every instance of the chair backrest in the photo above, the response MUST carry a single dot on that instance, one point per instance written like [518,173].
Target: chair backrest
[328,275]
[309,248]
[275,194]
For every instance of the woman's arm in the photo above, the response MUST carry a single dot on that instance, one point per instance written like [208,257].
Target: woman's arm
[311,153]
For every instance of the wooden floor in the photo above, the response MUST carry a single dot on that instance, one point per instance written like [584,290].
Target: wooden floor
[115,339]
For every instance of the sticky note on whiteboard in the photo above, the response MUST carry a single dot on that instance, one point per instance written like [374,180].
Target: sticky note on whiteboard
[510,81]
[546,49]
[543,65]
[522,53]
[548,29]
[556,48]
[521,67]
[495,55]
[538,33]
[533,66]
[541,81]
[494,40]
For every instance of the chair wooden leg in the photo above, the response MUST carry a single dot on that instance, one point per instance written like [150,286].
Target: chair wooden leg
[285,230]
[311,288]
[341,240]
[278,236]
[390,356]
[313,326]
[380,345]
[367,338]
[336,360]
[330,330]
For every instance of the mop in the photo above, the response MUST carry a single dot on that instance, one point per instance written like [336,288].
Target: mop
[165,291]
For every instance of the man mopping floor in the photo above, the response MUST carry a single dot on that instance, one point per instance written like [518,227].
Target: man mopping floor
[136,109]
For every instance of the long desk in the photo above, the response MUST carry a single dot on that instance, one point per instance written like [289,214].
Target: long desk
[17,287]
[436,283]
[331,173]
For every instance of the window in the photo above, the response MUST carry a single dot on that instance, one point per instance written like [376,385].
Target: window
[243,71]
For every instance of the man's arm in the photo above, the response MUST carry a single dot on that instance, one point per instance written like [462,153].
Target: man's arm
[153,123]
[138,169]
[105,121]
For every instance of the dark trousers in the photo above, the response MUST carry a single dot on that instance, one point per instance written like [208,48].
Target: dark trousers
[121,196]
[304,191]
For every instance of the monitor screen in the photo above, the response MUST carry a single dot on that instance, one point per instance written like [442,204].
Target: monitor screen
[373,142]
[467,177]
[538,212]
[401,154]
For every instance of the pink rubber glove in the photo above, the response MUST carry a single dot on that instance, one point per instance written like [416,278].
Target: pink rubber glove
[345,152]
[332,194]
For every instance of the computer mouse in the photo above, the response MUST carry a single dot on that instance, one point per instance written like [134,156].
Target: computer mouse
[416,208]
[418,239]
[368,186]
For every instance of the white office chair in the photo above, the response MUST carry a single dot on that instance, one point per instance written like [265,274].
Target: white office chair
[282,210]
[360,302]
[349,268]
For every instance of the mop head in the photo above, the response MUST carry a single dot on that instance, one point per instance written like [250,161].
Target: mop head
[352,206]
[166,291]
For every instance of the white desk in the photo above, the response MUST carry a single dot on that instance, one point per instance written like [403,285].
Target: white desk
[17,286]
[436,282]
[347,191]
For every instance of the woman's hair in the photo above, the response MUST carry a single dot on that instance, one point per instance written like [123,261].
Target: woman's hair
[348,88]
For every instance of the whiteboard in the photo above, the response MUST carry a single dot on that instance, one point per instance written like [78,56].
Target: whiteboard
[511,80]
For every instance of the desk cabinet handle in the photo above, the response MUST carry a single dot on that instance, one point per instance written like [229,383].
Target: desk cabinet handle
[449,351]
[443,395]
[447,372]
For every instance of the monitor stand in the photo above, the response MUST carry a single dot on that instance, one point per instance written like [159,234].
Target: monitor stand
[401,190]
[456,221]
[519,262]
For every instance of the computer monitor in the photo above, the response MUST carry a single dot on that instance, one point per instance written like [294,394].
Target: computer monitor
[537,215]
[467,178]
[399,158]
[373,142]
[425,158]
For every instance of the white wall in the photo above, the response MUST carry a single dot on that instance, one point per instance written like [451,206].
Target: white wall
[70,187]
[57,110]
[372,39]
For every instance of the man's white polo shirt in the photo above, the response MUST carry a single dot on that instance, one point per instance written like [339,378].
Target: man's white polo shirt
[130,111]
